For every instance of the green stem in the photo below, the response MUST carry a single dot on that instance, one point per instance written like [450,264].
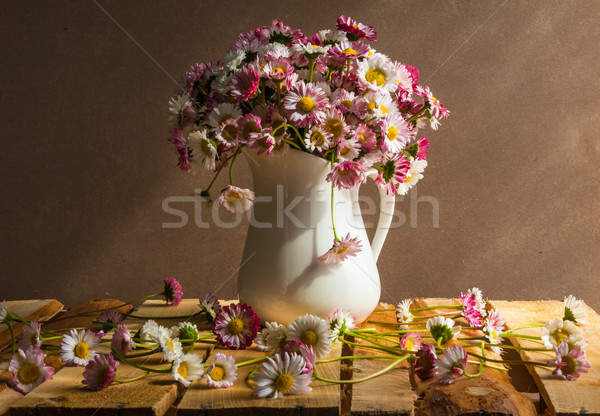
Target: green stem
[129,380]
[128,315]
[291,144]
[522,326]
[359,380]
[508,361]
[119,357]
[143,354]
[231,165]
[372,347]
[12,336]
[505,335]
[254,360]
[357,357]
[50,338]
[385,310]
[207,190]
[428,308]
[332,203]
[312,69]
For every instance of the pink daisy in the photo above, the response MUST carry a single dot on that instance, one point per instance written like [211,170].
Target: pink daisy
[99,372]
[122,340]
[411,341]
[335,124]
[28,369]
[341,250]
[172,292]
[349,50]
[179,143]
[452,365]
[317,139]
[306,352]
[340,321]
[246,125]
[227,133]
[109,319]
[394,172]
[244,84]
[235,199]
[470,311]
[366,137]
[569,364]
[277,69]
[425,364]
[346,174]
[77,347]
[306,104]
[236,326]
[30,336]
[348,149]
[349,103]
[423,146]
[222,373]
[261,142]
[396,133]
[356,30]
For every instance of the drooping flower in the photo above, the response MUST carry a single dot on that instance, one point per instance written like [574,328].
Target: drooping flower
[476,293]
[470,311]
[99,372]
[452,365]
[403,313]
[570,364]
[235,199]
[203,151]
[77,347]
[122,341]
[492,327]
[172,291]
[306,352]
[261,340]
[356,30]
[346,175]
[443,328]
[185,331]
[236,326]
[414,174]
[222,372]
[210,305]
[109,319]
[282,374]
[179,143]
[187,368]
[411,341]
[30,336]
[261,142]
[247,125]
[306,104]
[425,364]
[177,110]
[393,174]
[423,146]
[574,310]
[28,369]
[244,84]
[312,331]
[557,330]
[340,321]
[170,346]
[341,250]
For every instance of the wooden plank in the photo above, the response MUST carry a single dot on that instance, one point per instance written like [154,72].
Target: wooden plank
[238,399]
[388,394]
[153,395]
[491,393]
[39,310]
[561,397]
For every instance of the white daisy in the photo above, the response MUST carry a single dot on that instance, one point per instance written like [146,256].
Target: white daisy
[317,139]
[278,336]
[77,347]
[203,150]
[29,370]
[170,347]
[148,331]
[30,336]
[452,365]
[403,313]
[309,49]
[574,310]
[380,103]
[340,321]
[261,340]
[282,375]
[414,174]
[443,328]
[377,72]
[312,331]
[187,368]
[3,311]
[396,133]
[557,330]
[223,112]
[222,372]
[233,59]
[176,107]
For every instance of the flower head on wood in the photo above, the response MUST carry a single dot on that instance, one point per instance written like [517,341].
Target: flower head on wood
[443,328]
[411,341]
[3,311]
[170,346]
[452,365]
[77,347]
[28,369]
[99,372]
[222,372]
[312,331]
[569,364]
[557,330]
[424,366]
[235,199]
[122,341]
[574,310]
[340,321]
[404,314]
[172,292]
[470,310]
[185,331]
[210,305]
[492,327]
[30,336]
[109,319]
[187,368]
[306,352]
[341,250]
[277,336]
[236,326]
[282,374]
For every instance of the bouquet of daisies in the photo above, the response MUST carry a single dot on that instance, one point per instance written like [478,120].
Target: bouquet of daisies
[330,94]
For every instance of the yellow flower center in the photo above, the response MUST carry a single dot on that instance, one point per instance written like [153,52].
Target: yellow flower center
[392,133]
[342,250]
[81,350]
[384,109]
[224,118]
[494,335]
[205,147]
[182,370]
[170,345]
[251,127]
[234,195]
[317,138]
[284,382]
[306,104]
[277,71]
[375,75]
[349,51]
[355,26]
[229,132]
[236,326]
[409,345]
[28,373]
[217,373]
[362,137]
[560,335]
[345,151]
[408,178]
[371,106]
[308,337]
[335,127]
[347,103]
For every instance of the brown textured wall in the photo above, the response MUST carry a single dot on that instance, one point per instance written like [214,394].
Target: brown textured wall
[85,163]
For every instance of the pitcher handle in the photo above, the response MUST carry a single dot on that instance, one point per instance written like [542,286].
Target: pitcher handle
[385,216]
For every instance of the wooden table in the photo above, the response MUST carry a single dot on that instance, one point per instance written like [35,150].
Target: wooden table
[530,391]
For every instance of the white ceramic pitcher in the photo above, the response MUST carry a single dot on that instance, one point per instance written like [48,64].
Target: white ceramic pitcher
[280,274]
